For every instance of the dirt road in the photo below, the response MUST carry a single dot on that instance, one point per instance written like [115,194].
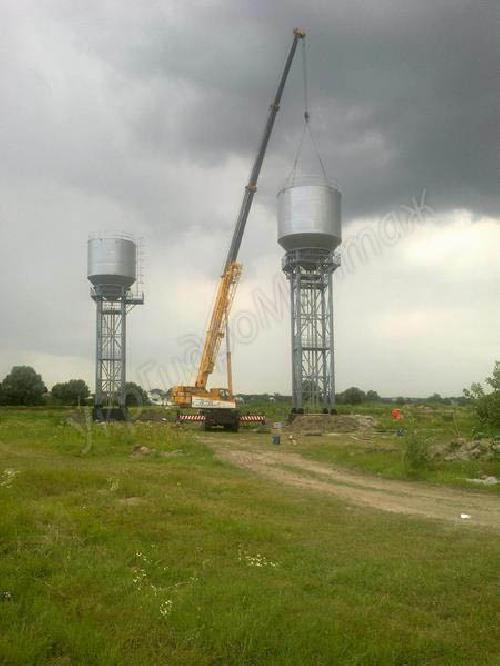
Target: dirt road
[419,499]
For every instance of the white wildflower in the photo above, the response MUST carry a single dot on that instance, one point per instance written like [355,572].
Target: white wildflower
[255,560]
[166,607]
[113,484]
[7,477]
[138,580]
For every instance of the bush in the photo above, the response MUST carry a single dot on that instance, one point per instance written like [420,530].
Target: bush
[136,396]
[352,396]
[416,454]
[73,392]
[487,405]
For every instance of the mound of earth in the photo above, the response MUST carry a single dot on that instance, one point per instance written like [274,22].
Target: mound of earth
[151,415]
[464,449]
[304,424]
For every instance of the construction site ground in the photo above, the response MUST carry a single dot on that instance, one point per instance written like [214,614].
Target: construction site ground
[144,542]
[294,463]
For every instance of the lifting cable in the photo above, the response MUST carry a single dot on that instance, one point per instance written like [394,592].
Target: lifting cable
[304,74]
[307,126]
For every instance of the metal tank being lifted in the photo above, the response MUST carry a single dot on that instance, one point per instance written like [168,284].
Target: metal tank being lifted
[309,215]
[111,264]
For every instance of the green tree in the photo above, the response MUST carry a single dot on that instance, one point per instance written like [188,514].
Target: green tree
[311,390]
[353,396]
[372,395]
[136,396]
[23,386]
[487,404]
[73,392]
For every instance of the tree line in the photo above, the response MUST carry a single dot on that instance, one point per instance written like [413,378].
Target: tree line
[24,387]
[356,396]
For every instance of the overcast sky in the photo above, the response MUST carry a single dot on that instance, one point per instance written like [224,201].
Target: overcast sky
[145,117]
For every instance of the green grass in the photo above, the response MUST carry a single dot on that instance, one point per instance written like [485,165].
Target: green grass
[109,559]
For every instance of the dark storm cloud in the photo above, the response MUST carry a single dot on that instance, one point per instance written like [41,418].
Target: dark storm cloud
[402,93]
[402,97]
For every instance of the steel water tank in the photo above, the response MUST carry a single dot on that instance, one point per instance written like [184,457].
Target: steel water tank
[309,215]
[111,263]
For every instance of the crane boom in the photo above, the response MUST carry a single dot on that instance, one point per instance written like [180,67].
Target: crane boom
[215,332]
[251,187]
[232,269]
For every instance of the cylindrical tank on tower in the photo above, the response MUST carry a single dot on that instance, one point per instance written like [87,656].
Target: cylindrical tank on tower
[309,215]
[111,264]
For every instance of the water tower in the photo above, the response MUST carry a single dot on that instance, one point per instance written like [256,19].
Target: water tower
[309,229]
[112,270]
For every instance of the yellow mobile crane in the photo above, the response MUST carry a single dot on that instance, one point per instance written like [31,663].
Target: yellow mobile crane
[217,404]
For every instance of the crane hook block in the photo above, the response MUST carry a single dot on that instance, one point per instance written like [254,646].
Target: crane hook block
[299,33]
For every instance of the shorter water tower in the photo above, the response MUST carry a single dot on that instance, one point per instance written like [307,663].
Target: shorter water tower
[309,229]
[112,270]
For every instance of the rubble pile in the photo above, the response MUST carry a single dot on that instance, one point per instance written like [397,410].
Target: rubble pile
[319,424]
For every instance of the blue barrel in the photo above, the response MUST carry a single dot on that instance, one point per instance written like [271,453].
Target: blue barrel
[276,439]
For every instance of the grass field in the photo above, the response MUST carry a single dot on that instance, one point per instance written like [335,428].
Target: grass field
[111,559]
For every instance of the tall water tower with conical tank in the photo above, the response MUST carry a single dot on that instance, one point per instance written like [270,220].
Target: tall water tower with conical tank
[309,229]
[112,268]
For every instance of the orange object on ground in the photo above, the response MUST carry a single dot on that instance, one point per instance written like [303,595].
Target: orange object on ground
[396,414]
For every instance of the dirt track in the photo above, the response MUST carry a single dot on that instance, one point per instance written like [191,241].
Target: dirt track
[419,499]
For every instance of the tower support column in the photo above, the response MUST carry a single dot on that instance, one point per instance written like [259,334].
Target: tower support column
[310,274]
[110,393]
[111,350]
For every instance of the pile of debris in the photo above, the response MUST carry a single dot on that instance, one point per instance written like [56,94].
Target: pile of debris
[485,480]
[320,424]
[463,449]
[145,451]
[151,415]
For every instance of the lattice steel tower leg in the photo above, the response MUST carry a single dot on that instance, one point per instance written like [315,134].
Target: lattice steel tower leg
[311,297]
[111,320]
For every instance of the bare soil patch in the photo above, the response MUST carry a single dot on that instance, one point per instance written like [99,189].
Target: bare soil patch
[131,501]
[386,495]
